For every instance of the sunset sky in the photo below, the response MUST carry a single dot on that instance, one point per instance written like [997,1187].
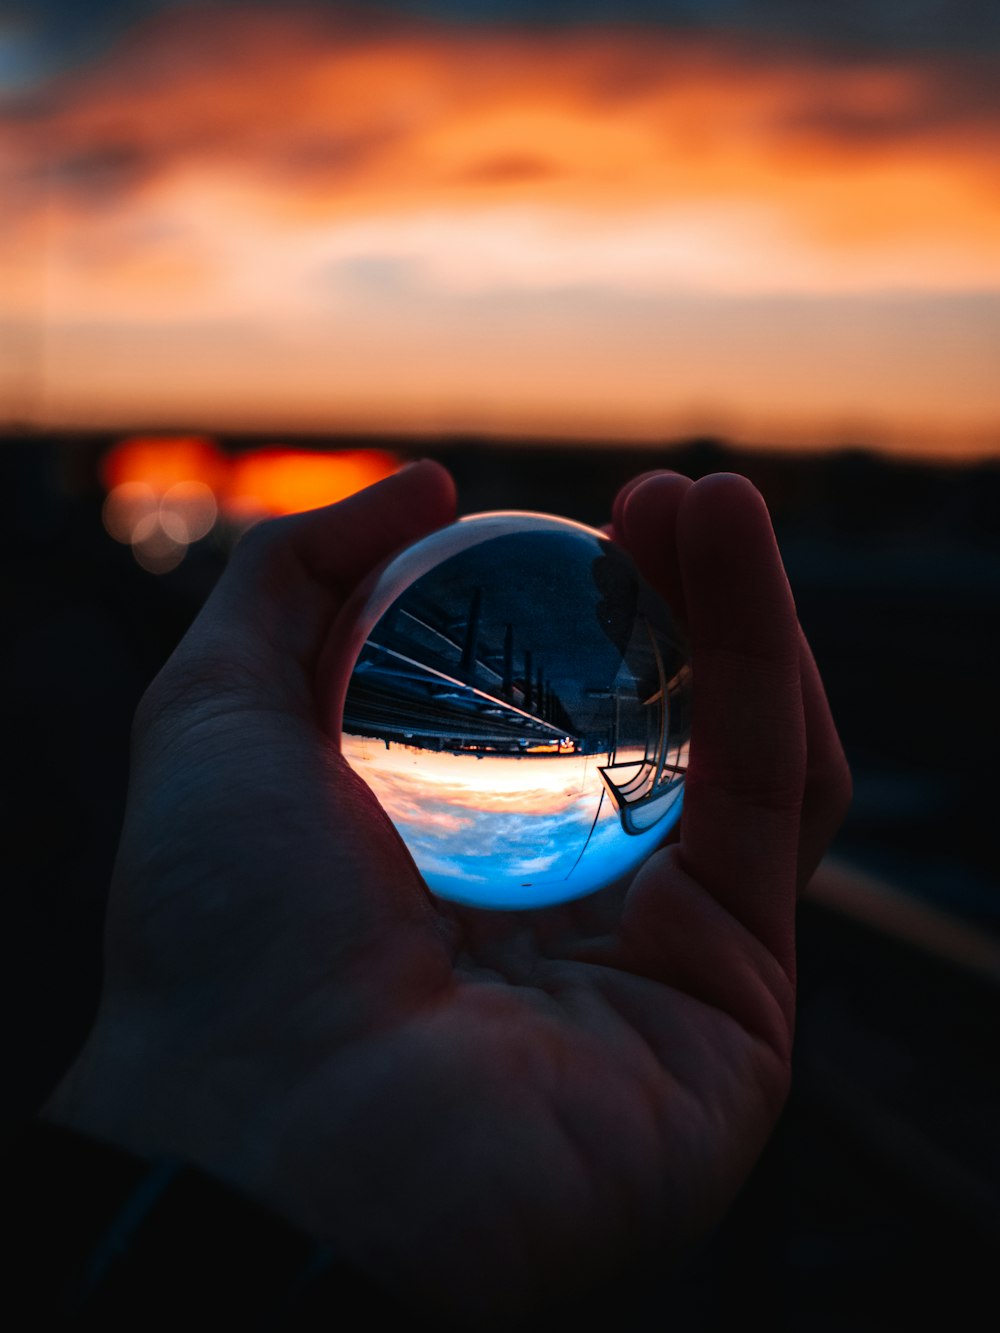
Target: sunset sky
[774,222]
[504,831]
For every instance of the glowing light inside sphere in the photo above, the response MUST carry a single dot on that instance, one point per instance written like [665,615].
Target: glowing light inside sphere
[520,705]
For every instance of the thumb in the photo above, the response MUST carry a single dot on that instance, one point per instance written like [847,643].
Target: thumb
[257,639]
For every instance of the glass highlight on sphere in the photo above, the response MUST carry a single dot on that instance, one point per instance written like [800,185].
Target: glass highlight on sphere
[520,705]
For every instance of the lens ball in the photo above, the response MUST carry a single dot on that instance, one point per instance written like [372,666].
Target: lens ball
[520,704]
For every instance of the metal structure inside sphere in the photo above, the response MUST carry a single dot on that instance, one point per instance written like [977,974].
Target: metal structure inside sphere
[520,705]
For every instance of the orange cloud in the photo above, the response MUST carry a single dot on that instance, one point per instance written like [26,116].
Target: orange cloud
[305,218]
[426,785]
[614,120]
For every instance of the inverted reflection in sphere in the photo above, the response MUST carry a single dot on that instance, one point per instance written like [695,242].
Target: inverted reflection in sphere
[520,705]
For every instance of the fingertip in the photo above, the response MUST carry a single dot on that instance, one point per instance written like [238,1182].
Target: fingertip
[432,481]
[723,523]
[623,496]
[652,504]
[724,500]
[344,541]
[648,524]
[735,583]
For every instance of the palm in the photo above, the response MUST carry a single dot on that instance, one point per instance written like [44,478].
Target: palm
[567,1113]
[521,1073]
[454,1097]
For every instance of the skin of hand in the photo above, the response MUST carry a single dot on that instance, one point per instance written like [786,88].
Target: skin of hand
[485,1110]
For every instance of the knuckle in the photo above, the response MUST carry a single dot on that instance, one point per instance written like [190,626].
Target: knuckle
[258,541]
[180,688]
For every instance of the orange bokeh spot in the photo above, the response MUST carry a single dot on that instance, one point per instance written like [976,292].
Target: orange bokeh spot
[285,481]
[164,461]
[188,511]
[165,492]
[126,506]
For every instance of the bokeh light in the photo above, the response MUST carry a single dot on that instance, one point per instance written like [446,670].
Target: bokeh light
[287,481]
[187,512]
[162,461]
[154,548]
[127,505]
[162,495]
[167,492]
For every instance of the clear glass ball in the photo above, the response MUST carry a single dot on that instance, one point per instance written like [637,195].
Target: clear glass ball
[520,704]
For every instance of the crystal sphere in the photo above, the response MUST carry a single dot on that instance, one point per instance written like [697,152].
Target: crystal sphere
[520,705]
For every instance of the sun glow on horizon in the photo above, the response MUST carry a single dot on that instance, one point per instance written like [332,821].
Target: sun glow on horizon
[165,492]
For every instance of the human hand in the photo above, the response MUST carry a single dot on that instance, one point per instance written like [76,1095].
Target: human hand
[483,1109]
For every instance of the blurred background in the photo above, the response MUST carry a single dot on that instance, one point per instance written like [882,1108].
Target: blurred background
[255,256]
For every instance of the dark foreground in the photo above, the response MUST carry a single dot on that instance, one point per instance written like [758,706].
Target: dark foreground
[877,1206]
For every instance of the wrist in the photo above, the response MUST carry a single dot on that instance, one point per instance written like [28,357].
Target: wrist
[142,1092]
[105,1237]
